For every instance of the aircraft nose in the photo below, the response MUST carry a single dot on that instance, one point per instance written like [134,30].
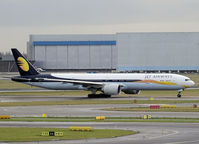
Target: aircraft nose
[192,83]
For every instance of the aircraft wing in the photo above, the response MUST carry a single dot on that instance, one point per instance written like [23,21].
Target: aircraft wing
[87,84]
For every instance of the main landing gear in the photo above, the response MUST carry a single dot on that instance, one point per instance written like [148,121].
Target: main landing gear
[94,95]
[179,93]
[98,96]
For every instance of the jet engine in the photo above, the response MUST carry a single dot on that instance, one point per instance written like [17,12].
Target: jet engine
[111,89]
[127,91]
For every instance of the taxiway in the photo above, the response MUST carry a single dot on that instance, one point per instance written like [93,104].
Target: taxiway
[150,133]
[156,133]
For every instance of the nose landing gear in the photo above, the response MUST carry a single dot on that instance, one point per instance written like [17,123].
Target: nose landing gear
[179,93]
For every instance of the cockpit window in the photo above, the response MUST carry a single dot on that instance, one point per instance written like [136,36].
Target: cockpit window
[187,79]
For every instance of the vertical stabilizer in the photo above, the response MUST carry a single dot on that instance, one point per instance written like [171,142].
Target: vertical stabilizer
[24,66]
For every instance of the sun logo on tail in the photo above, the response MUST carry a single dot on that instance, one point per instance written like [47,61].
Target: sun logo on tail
[22,64]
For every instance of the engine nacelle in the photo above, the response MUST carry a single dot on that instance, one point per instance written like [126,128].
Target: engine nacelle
[111,89]
[129,91]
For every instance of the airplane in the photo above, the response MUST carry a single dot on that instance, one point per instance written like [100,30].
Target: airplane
[107,83]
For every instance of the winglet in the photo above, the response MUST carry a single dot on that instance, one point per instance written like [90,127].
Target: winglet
[24,66]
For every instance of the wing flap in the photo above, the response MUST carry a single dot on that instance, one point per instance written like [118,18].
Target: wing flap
[77,82]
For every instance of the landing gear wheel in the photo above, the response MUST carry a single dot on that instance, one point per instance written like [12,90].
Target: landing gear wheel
[179,95]
[98,96]
[106,96]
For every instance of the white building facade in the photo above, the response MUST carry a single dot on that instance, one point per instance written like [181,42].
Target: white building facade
[163,51]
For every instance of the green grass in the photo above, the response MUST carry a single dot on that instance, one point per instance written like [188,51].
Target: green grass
[194,92]
[24,134]
[108,119]
[87,102]
[46,93]
[8,84]
[147,109]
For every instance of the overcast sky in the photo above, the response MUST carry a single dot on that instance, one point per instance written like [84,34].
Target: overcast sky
[20,18]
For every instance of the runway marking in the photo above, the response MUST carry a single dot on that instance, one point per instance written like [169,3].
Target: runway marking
[174,132]
[183,142]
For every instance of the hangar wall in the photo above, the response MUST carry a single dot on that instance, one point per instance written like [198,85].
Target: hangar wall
[158,51]
[84,52]
[155,51]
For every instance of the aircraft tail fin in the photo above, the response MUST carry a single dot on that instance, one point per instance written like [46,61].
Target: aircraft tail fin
[24,66]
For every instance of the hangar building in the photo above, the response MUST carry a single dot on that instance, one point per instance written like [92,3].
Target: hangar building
[73,52]
[162,51]
[174,51]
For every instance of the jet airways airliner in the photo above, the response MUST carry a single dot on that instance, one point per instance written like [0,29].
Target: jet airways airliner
[108,83]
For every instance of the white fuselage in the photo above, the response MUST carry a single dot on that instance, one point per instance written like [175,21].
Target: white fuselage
[136,81]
